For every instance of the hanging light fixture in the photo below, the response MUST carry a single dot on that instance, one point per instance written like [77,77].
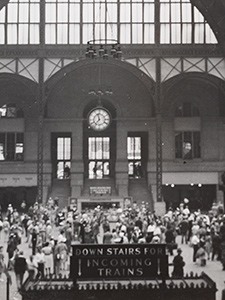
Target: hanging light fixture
[104,48]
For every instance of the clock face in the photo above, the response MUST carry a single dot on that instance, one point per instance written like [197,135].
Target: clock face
[99,119]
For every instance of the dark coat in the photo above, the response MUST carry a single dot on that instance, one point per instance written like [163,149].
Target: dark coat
[20,265]
[178,264]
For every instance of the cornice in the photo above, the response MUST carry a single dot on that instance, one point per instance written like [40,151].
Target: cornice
[129,51]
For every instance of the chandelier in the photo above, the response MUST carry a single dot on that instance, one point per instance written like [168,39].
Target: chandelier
[103,49]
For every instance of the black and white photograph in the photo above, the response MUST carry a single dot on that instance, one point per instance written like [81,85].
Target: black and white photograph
[112,149]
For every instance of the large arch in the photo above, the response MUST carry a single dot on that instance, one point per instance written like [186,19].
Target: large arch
[128,84]
[20,90]
[194,84]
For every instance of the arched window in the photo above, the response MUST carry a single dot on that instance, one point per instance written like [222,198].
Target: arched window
[187,109]
[182,23]
[10,111]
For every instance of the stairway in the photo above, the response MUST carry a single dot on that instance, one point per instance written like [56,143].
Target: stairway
[61,190]
[140,192]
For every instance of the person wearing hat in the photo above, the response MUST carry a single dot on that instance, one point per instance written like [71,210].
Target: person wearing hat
[178,265]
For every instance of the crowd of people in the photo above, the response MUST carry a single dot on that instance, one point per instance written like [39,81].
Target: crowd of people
[50,231]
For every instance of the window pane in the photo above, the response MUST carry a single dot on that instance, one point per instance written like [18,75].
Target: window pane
[130,148]
[12,34]
[111,12]
[149,12]
[60,148]
[175,12]
[2,146]
[67,154]
[165,34]
[88,13]
[198,17]
[149,34]
[199,33]
[12,13]
[62,13]
[175,33]
[100,31]
[74,34]
[106,153]
[2,15]
[23,12]
[23,34]
[62,34]
[50,14]
[19,146]
[2,34]
[209,35]
[187,34]
[125,33]
[91,148]
[112,31]
[99,148]
[136,13]
[34,34]
[87,33]
[100,12]
[164,13]
[50,32]
[74,13]
[35,13]
[137,33]
[186,12]
[124,12]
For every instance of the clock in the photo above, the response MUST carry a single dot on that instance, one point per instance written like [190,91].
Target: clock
[99,119]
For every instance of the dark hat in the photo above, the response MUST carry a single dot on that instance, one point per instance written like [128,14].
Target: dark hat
[179,250]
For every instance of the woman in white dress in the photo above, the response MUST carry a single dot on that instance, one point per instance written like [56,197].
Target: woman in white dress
[47,250]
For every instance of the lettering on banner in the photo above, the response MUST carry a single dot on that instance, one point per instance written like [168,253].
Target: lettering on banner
[118,261]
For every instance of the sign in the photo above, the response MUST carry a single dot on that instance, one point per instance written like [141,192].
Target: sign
[17,180]
[118,261]
[100,190]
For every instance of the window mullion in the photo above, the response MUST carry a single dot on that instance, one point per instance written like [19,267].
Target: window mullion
[193,24]
[181,23]
[56,25]
[94,21]
[118,20]
[18,24]
[68,22]
[143,24]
